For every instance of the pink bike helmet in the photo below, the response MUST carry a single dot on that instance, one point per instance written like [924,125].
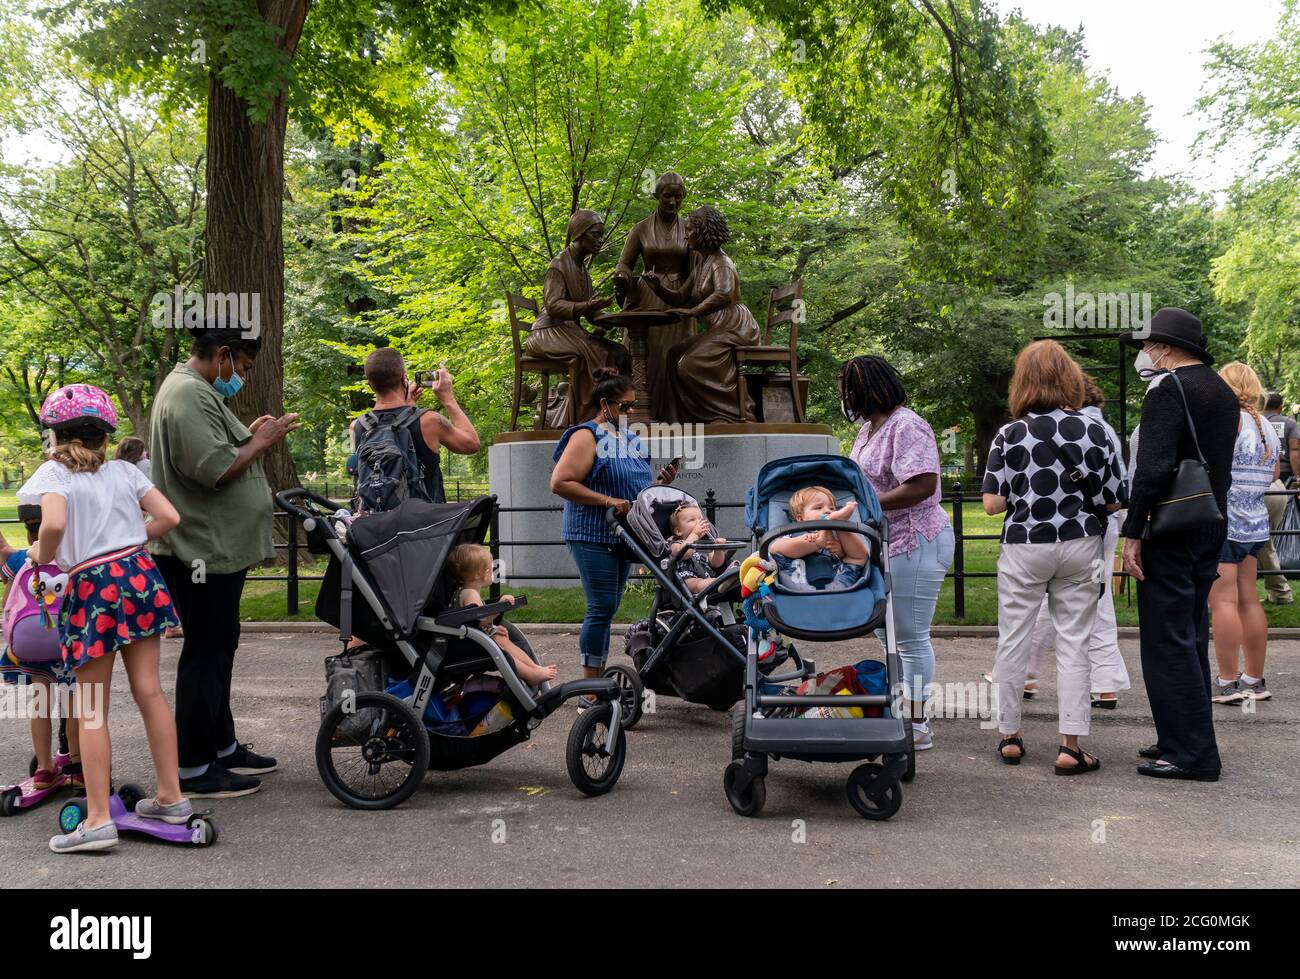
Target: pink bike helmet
[79,404]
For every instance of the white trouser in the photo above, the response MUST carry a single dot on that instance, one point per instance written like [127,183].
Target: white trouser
[1106,664]
[1067,574]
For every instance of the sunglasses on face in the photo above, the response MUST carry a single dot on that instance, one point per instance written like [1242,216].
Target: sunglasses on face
[624,406]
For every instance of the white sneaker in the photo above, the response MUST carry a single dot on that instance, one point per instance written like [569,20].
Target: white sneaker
[922,735]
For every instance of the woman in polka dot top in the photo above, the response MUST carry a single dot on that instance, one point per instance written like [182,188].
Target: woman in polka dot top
[1052,540]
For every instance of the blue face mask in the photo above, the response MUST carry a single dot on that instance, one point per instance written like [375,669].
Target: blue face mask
[230,388]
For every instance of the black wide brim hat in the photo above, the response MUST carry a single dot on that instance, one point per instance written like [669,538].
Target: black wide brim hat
[1176,327]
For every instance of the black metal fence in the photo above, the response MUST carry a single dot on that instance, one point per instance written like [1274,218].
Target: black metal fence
[293,574]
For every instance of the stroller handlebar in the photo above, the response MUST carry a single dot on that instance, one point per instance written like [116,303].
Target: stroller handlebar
[842,526]
[318,506]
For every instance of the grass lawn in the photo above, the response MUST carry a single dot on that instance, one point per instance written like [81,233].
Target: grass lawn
[264,601]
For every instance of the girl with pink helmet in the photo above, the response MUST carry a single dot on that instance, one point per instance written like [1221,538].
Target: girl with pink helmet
[115,599]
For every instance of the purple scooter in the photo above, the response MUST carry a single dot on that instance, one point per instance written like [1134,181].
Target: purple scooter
[25,794]
[198,830]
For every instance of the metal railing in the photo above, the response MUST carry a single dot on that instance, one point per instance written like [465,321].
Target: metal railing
[956,500]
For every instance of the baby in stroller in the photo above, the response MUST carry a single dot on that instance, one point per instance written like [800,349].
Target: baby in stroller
[697,569]
[471,569]
[799,557]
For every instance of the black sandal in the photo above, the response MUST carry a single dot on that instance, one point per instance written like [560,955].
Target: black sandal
[1008,759]
[1082,767]
[1105,703]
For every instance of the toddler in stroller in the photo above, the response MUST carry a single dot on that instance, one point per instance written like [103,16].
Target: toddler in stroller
[690,646]
[471,569]
[845,555]
[698,569]
[380,735]
[775,721]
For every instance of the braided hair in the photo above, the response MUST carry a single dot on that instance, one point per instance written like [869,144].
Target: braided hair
[869,385]
[711,229]
[1246,386]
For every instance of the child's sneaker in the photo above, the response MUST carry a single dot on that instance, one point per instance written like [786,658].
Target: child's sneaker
[1253,690]
[44,779]
[1227,693]
[175,812]
[922,735]
[101,838]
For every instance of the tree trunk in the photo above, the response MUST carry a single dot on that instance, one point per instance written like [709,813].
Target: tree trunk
[244,244]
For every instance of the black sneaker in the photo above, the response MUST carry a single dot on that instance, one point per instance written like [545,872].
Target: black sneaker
[243,761]
[218,783]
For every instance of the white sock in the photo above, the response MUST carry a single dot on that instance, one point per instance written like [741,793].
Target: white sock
[1247,678]
[1224,683]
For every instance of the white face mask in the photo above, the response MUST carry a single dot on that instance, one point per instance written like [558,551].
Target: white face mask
[1144,365]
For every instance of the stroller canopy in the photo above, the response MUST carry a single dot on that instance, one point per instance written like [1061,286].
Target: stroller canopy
[651,516]
[403,550]
[767,502]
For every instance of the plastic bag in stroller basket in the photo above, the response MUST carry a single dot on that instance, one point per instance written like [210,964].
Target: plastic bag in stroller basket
[348,674]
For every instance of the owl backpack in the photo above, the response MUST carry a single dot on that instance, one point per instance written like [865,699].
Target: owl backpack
[31,622]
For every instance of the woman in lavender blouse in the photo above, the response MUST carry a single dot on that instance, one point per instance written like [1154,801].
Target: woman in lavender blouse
[897,452]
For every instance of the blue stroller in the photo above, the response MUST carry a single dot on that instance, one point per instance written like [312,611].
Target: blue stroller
[772,722]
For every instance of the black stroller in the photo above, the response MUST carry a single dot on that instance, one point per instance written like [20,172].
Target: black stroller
[774,721]
[690,646]
[380,731]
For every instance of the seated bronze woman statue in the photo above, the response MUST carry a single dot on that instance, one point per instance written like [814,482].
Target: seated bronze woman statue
[557,332]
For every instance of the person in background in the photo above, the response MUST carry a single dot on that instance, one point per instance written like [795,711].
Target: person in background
[395,391]
[599,464]
[1175,572]
[1053,538]
[132,450]
[1240,625]
[897,452]
[1106,663]
[210,467]
[1277,590]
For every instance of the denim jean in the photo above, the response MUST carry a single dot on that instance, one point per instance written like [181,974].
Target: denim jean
[917,577]
[604,575]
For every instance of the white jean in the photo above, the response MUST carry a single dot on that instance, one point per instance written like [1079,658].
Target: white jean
[1106,664]
[1066,574]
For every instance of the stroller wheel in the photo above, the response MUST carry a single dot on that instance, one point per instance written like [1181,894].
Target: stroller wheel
[592,767]
[738,731]
[873,792]
[372,752]
[750,800]
[631,692]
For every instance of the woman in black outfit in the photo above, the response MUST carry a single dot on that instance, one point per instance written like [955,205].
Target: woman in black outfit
[1175,572]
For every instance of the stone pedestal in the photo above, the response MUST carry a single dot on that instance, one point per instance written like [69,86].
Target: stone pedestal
[725,459]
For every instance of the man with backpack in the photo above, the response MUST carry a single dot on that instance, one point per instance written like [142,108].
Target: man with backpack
[397,442]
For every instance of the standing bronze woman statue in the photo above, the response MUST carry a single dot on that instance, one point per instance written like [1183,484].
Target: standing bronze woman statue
[659,242]
[557,332]
[702,373]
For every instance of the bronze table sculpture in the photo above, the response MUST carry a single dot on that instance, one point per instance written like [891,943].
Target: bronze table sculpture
[659,243]
[557,332]
[702,374]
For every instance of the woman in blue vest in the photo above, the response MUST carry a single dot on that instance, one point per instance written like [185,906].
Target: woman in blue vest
[600,464]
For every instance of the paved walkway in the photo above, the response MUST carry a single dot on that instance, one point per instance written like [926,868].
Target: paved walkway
[966,821]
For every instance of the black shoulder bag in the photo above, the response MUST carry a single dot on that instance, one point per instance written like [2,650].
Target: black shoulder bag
[1189,503]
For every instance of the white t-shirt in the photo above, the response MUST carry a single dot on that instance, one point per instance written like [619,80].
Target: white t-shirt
[103,507]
